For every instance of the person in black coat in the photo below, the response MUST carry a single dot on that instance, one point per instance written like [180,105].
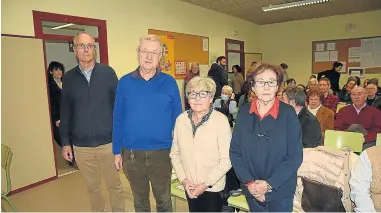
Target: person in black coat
[56,71]
[333,75]
[219,75]
[311,132]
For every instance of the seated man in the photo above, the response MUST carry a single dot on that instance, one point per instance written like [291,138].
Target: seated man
[311,132]
[365,181]
[359,113]
[330,101]
[226,104]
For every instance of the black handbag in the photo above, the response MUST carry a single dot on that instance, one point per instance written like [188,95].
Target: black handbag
[319,197]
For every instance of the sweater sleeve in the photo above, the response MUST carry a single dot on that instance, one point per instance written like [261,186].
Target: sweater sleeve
[311,133]
[294,157]
[66,115]
[223,141]
[175,156]
[113,86]
[375,128]
[239,166]
[176,104]
[339,120]
[119,107]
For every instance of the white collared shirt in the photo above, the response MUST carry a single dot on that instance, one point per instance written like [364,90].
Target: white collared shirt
[314,111]
[358,110]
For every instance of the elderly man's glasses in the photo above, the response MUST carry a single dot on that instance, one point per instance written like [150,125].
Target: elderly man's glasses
[202,94]
[145,53]
[85,46]
[261,84]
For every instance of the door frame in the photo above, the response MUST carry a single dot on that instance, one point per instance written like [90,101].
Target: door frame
[241,51]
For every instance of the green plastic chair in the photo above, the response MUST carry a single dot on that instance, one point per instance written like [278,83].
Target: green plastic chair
[378,140]
[239,203]
[341,139]
[6,158]
[176,193]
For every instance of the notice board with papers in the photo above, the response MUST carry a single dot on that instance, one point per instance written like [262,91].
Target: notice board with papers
[362,54]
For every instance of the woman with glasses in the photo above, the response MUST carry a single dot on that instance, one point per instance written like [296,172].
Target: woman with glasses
[200,149]
[266,148]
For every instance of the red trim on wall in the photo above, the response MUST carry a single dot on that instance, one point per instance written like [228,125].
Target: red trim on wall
[62,37]
[39,16]
[31,186]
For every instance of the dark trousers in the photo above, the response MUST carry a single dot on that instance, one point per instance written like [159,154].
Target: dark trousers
[206,202]
[143,167]
[282,205]
[56,134]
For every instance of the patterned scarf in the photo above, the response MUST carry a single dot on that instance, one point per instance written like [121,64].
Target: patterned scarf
[204,119]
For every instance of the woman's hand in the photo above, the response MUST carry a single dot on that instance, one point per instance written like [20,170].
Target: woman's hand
[199,189]
[258,189]
[189,188]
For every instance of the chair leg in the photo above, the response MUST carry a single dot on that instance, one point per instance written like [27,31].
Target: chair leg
[3,209]
[6,198]
[174,204]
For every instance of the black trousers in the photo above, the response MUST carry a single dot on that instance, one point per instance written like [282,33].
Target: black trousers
[206,202]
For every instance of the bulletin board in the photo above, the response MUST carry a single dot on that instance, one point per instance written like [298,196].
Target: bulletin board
[184,48]
[357,55]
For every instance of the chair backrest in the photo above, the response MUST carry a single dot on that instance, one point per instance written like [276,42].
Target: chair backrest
[341,139]
[6,156]
[339,106]
[378,141]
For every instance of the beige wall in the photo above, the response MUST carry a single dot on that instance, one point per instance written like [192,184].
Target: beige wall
[291,42]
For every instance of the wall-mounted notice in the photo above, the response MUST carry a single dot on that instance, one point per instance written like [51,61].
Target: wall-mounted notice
[322,56]
[205,44]
[320,47]
[331,46]
[356,71]
[333,55]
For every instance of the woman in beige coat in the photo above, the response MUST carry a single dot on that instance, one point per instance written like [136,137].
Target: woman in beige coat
[200,150]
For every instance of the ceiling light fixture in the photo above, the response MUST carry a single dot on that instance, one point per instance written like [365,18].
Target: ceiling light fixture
[62,26]
[293,4]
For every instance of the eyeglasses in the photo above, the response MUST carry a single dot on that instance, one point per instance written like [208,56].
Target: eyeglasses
[260,84]
[145,53]
[84,46]
[202,94]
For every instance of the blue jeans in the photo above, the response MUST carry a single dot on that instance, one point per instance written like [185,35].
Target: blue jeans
[282,205]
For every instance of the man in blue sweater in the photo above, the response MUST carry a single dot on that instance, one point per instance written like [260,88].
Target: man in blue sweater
[146,107]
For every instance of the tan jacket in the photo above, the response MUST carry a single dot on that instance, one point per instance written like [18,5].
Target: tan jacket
[325,165]
[205,157]
[237,83]
[326,118]
[374,154]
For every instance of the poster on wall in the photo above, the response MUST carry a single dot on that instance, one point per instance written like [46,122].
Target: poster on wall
[167,60]
[180,68]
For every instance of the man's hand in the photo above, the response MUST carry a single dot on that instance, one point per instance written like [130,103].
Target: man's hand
[189,187]
[67,153]
[199,189]
[261,187]
[58,123]
[118,163]
[260,198]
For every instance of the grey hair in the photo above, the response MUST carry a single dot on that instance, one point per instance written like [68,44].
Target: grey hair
[82,33]
[150,37]
[297,94]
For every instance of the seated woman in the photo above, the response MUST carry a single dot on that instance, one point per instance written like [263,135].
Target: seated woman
[226,104]
[325,116]
[345,93]
[365,181]
[266,148]
[200,149]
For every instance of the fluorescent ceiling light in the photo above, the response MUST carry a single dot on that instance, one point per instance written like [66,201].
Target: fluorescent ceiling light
[293,4]
[62,26]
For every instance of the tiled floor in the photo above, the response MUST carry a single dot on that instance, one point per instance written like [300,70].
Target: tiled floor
[68,194]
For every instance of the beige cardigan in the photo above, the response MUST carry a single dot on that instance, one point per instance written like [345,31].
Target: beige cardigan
[203,158]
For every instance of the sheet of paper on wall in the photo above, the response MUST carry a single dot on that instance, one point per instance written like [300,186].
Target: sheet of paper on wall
[320,47]
[354,60]
[204,68]
[333,55]
[354,52]
[331,46]
[205,44]
[367,46]
[377,45]
[367,60]
[344,69]
[377,59]
[322,56]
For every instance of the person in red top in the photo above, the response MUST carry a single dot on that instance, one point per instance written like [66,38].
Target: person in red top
[360,113]
[330,101]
